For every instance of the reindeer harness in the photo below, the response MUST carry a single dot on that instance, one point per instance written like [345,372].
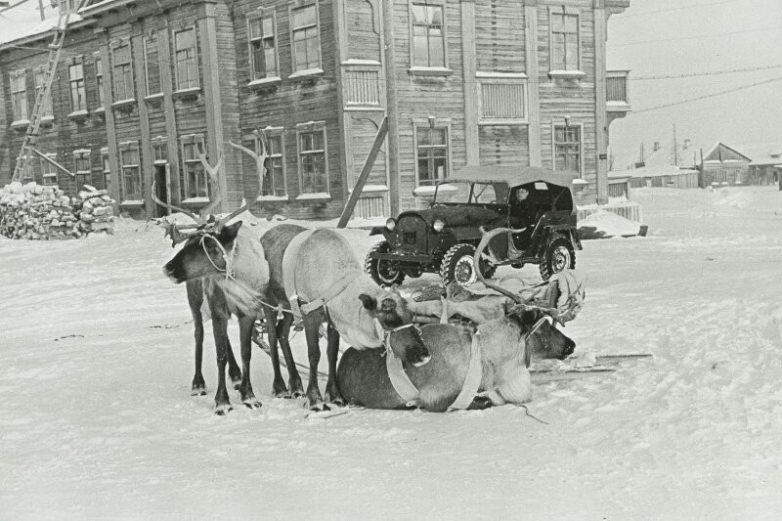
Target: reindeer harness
[227,257]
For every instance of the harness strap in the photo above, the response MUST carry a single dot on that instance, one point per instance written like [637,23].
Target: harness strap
[332,292]
[402,384]
[472,381]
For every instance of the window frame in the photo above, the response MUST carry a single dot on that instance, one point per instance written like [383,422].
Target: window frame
[77,86]
[186,165]
[566,72]
[100,78]
[19,92]
[151,36]
[311,128]
[124,167]
[522,82]
[411,34]
[432,124]
[48,111]
[260,14]
[82,154]
[554,144]
[105,160]
[178,87]
[292,32]
[127,69]
[48,170]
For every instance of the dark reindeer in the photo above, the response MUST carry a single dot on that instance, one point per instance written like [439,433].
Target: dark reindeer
[315,274]
[493,357]
[200,289]
[230,259]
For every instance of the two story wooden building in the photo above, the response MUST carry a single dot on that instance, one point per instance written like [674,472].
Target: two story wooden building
[144,85]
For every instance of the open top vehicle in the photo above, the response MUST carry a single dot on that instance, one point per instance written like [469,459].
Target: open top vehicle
[535,202]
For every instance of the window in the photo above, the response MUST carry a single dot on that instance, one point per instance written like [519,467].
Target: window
[195,182]
[40,73]
[428,35]
[130,166]
[274,181]
[502,101]
[19,94]
[152,65]
[123,73]
[48,170]
[99,81]
[312,158]
[564,41]
[160,150]
[76,83]
[104,158]
[567,148]
[28,170]
[82,167]
[432,154]
[263,47]
[306,40]
[185,59]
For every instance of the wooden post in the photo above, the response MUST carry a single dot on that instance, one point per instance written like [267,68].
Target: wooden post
[362,178]
[391,102]
[469,59]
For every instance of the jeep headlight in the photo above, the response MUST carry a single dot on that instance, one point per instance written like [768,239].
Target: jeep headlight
[438,225]
[390,224]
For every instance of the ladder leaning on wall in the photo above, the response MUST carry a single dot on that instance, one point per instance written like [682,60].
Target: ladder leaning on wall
[44,92]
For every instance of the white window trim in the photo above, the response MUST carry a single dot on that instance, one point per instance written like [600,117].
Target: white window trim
[197,87]
[313,126]
[130,145]
[312,71]
[425,70]
[577,73]
[51,170]
[261,13]
[47,116]
[275,132]
[580,126]
[194,139]
[500,79]
[433,123]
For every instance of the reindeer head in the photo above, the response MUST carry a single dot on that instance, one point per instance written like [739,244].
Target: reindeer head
[394,325]
[209,249]
[538,324]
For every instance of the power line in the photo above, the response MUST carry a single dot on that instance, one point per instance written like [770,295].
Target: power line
[712,95]
[645,13]
[705,73]
[697,37]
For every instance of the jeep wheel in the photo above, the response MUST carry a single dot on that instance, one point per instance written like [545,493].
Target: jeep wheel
[458,265]
[559,256]
[382,271]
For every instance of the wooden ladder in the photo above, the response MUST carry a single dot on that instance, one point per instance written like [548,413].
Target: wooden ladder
[34,125]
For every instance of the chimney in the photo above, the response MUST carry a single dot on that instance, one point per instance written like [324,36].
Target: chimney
[656,146]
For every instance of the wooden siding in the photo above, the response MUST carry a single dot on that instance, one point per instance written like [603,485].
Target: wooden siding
[501,145]
[499,41]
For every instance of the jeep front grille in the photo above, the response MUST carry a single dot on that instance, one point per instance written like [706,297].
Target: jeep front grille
[412,232]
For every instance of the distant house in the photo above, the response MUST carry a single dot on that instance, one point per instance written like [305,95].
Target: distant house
[724,165]
[655,176]
[766,165]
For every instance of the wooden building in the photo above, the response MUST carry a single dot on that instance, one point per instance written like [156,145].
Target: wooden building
[144,85]
[724,165]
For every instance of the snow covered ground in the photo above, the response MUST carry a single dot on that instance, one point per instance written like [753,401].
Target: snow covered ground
[97,421]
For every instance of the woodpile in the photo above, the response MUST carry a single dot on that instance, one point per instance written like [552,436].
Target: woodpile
[38,212]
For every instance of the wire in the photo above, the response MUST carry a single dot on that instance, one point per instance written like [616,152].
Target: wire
[712,95]
[645,13]
[698,37]
[705,73]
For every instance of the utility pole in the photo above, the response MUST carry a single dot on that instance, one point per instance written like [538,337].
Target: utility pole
[391,105]
[675,147]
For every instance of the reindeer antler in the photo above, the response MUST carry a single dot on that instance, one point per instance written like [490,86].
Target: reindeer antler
[193,215]
[214,179]
[260,159]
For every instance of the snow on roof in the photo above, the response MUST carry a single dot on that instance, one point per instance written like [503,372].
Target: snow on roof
[652,171]
[23,20]
[762,153]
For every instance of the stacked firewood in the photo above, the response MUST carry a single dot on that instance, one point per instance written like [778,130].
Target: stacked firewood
[38,212]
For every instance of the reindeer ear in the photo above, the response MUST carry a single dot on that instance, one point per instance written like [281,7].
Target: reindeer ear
[369,302]
[228,233]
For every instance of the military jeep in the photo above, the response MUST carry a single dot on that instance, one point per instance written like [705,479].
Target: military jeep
[442,238]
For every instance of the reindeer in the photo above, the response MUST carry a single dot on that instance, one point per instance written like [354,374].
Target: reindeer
[230,259]
[314,275]
[198,289]
[492,357]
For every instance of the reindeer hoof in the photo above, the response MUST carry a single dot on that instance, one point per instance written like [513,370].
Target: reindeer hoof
[223,409]
[252,404]
[281,393]
[319,407]
[198,391]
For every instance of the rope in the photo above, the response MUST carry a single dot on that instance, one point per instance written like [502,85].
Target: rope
[533,416]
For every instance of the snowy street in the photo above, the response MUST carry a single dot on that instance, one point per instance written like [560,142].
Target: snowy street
[96,359]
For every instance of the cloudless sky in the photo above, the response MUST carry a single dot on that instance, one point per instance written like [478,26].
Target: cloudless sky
[681,37]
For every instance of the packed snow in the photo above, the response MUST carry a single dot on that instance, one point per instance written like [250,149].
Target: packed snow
[96,359]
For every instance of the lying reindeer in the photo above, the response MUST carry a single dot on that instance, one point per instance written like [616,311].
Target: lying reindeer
[314,274]
[493,358]
[198,289]
[231,260]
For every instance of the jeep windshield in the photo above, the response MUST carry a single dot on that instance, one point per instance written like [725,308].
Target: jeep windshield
[469,192]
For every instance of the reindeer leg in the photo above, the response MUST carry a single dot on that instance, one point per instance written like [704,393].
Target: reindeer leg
[220,326]
[294,380]
[314,397]
[195,297]
[278,385]
[233,368]
[246,326]
[332,391]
